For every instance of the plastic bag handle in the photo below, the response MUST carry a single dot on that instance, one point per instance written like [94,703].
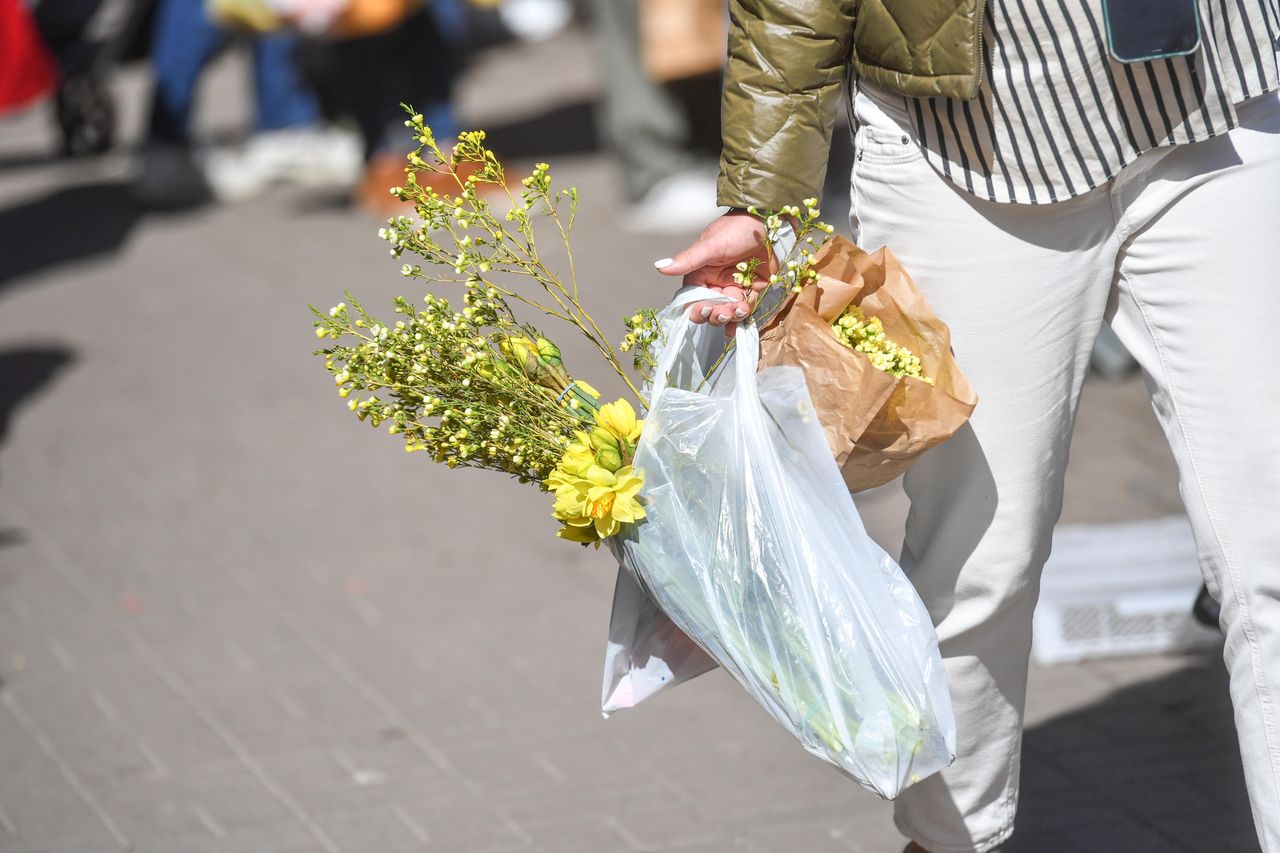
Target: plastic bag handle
[676,339]
[746,353]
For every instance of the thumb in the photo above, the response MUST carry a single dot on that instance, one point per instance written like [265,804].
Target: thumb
[695,257]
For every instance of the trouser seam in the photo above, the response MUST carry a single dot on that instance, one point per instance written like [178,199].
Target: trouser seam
[1246,619]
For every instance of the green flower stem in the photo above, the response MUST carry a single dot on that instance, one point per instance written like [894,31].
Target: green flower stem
[531,264]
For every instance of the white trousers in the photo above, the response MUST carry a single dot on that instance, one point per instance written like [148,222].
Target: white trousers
[1180,254]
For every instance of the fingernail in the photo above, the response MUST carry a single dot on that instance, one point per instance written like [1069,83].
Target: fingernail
[740,312]
[706,311]
[664,263]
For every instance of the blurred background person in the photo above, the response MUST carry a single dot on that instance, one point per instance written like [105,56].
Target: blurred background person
[642,45]
[365,58]
[85,111]
[384,53]
[289,144]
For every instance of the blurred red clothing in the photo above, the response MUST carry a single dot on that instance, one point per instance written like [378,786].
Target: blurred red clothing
[27,71]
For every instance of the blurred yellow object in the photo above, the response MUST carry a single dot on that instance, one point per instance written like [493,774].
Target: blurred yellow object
[682,38]
[254,16]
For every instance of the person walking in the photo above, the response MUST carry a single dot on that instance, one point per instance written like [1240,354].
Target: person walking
[1036,187]
[669,186]
[290,142]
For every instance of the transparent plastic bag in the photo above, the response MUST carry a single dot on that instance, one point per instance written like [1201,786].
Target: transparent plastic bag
[753,548]
[647,652]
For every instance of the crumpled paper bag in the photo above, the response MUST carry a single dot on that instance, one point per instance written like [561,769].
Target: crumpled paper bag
[876,423]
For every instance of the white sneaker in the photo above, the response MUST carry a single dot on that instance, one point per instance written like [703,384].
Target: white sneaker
[302,156]
[169,176]
[683,202]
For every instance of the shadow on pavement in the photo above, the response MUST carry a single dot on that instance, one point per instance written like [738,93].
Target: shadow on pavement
[24,371]
[70,224]
[1153,768]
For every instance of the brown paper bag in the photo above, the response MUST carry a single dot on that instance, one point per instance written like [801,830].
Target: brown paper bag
[682,38]
[876,423]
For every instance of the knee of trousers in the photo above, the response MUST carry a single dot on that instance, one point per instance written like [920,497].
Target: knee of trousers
[976,575]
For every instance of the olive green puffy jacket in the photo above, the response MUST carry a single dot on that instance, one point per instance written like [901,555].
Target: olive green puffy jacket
[788,60]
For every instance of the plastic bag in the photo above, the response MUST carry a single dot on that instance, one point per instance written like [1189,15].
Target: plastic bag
[646,651]
[754,550]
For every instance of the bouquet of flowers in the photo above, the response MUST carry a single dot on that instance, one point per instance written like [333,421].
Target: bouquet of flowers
[474,385]
[863,334]
[723,504]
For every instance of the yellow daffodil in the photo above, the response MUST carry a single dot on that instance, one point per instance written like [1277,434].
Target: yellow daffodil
[584,533]
[602,498]
[578,456]
[619,419]
[577,459]
[571,500]
[596,493]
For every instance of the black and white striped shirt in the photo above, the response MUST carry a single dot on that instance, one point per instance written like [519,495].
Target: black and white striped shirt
[1056,116]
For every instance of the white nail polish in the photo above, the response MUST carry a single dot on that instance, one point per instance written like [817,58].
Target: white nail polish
[740,312]
[706,311]
[664,263]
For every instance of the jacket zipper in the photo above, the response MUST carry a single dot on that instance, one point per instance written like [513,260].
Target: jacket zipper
[981,58]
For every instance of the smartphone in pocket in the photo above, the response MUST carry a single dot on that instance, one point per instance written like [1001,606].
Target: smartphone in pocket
[1144,30]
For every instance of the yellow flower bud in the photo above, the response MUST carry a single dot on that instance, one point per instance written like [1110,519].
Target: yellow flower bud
[609,458]
[602,438]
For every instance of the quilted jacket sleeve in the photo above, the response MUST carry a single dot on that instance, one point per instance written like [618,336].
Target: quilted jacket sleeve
[782,93]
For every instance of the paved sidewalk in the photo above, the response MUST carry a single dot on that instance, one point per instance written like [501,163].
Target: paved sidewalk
[232,619]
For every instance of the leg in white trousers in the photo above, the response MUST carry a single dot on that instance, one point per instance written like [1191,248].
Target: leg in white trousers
[1181,252]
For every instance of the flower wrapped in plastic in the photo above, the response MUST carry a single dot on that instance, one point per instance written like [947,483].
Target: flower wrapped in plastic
[885,382]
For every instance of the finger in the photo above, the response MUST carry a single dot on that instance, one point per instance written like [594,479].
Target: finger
[700,312]
[700,254]
[729,312]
